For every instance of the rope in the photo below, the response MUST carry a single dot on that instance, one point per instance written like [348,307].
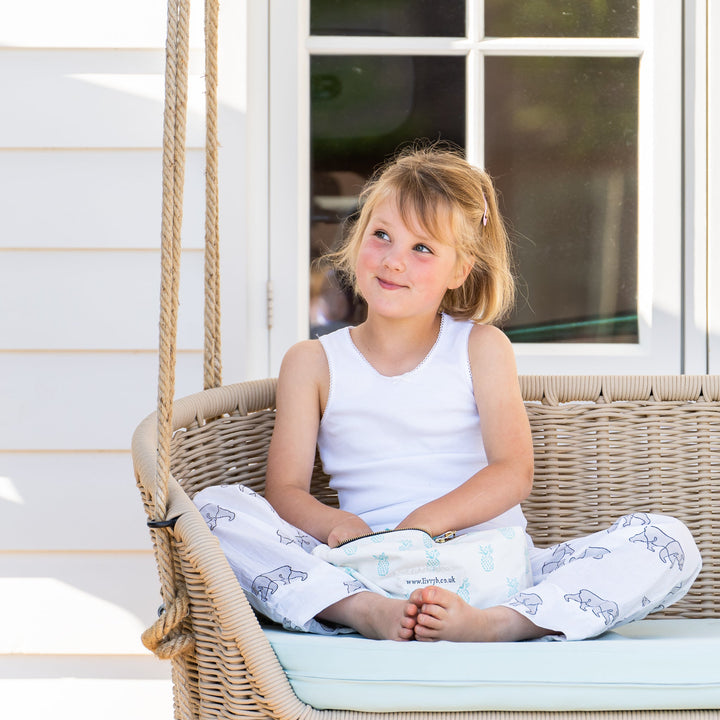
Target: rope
[173,179]
[166,637]
[172,199]
[212,370]
[163,637]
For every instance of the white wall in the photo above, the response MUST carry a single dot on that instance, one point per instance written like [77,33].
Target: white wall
[80,190]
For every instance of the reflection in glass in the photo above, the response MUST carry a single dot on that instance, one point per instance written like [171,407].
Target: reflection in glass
[363,108]
[561,18]
[411,18]
[561,143]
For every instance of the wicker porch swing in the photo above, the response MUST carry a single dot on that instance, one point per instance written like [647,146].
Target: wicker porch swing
[223,664]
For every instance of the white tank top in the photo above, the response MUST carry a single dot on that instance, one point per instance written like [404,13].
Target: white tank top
[392,444]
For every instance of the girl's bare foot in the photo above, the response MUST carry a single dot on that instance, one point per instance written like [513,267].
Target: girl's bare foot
[442,615]
[374,616]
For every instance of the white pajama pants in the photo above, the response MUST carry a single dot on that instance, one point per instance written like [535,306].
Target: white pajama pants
[582,587]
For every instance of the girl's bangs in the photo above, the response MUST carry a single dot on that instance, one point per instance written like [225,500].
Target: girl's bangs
[430,212]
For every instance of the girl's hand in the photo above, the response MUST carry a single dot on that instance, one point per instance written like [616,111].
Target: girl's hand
[351,526]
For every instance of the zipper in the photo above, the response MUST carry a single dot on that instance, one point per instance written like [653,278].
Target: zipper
[449,535]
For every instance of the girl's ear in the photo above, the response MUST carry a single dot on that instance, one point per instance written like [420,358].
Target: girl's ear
[462,270]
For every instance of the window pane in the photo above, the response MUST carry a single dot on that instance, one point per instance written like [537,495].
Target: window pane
[561,142]
[363,108]
[561,18]
[412,18]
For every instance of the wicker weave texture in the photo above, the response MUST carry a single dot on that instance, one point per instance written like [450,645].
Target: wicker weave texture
[603,447]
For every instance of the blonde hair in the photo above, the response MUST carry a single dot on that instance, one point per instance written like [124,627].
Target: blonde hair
[431,186]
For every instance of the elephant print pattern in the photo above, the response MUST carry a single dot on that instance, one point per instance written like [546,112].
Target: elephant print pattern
[267,583]
[300,539]
[606,609]
[530,601]
[581,588]
[213,513]
[669,549]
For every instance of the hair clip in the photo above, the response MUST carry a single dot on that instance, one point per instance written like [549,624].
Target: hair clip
[485,214]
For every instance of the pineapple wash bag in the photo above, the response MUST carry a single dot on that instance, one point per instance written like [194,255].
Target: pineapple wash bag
[484,567]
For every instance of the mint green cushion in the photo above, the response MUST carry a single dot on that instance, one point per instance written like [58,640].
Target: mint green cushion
[651,664]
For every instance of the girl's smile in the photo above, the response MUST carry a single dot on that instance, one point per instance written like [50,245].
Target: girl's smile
[387,285]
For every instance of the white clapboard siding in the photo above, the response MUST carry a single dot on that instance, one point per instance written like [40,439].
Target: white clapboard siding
[73,649]
[72,501]
[90,24]
[89,300]
[81,603]
[72,697]
[80,210]
[93,199]
[82,401]
[91,99]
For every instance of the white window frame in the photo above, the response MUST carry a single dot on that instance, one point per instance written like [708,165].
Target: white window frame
[711,169]
[282,215]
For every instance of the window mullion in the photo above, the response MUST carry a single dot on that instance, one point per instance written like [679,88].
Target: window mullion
[563,47]
[475,108]
[475,20]
[475,88]
[350,45]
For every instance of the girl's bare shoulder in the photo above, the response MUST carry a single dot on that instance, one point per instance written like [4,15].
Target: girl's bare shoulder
[492,358]
[305,370]
[305,362]
[488,339]
[305,356]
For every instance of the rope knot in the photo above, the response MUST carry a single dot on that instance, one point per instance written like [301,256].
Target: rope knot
[163,637]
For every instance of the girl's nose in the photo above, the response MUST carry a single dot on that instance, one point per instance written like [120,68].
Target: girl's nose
[394,259]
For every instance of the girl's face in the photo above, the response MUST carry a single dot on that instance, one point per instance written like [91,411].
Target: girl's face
[400,270]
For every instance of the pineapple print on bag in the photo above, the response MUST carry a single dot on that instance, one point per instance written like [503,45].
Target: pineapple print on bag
[398,562]
[433,558]
[383,566]
[487,561]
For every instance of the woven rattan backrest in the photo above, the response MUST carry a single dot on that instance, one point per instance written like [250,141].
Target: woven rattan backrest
[604,447]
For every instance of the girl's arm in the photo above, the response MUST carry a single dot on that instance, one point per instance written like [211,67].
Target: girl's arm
[507,479]
[301,394]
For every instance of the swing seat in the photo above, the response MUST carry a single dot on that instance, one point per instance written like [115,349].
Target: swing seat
[604,446]
[650,664]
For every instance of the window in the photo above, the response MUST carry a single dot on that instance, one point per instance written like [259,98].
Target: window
[573,108]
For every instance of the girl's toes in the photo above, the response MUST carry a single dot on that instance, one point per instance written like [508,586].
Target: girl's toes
[428,621]
[406,633]
[425,634]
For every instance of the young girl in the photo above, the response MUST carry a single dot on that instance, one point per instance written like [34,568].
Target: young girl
[419,420]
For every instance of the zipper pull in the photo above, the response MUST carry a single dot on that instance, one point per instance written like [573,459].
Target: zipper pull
[449,535]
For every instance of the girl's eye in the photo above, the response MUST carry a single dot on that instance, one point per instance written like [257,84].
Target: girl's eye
[381,234]
[423,248]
